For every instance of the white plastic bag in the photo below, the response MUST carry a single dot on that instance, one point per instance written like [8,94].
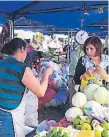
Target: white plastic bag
[46,125]
[31,115]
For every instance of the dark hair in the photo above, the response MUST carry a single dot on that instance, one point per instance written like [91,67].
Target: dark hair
[28,41]
[96,42]
[12,46]
[106,51]
[41,54]
[31,58]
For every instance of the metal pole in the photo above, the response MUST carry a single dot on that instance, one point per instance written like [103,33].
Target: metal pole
[71,43]
[13,29]
[11,24]
[68,49]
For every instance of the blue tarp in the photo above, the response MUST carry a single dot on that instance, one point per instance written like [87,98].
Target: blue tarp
[62,14]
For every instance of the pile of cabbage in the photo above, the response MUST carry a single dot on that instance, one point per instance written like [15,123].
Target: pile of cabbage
[97,93]
[93,101]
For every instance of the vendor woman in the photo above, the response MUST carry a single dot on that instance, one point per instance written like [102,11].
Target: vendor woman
[93,63]
[15,76]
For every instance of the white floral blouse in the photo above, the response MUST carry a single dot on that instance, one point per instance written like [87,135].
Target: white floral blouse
[88,63]
[84,63]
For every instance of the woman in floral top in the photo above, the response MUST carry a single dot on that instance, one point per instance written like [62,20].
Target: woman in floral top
[93,63]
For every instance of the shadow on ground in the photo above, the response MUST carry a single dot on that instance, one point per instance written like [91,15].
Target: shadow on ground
[53,113]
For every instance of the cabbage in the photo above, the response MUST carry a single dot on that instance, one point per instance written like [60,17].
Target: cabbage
[72,113]
[101,95]
[92,107]
[88,91]
[79,100]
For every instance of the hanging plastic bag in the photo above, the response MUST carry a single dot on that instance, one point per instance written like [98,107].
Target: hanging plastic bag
[60,98]
[31,114]
[49,94]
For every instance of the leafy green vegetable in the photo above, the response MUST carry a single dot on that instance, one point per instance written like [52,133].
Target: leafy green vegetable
[38,134]
[54,132]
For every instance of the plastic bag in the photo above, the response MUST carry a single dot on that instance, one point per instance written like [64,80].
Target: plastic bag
[60,98]
[46,125]
[93,108]
[49,94]
[56,78]
[31,114]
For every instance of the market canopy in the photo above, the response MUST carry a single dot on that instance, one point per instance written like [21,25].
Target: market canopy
[58,15]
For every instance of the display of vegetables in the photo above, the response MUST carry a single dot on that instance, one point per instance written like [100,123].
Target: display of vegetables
[87,116]
[55,132]
[88,124]
[97,93]
[82,126]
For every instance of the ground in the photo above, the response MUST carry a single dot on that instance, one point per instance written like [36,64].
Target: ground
[53,113]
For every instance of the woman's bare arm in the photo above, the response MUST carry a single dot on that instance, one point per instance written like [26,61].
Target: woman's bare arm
[33,83]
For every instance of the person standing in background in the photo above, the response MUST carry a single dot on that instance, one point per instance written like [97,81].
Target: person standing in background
[93,63]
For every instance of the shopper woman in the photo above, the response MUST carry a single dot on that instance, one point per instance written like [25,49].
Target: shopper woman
[15,76]
[93,63]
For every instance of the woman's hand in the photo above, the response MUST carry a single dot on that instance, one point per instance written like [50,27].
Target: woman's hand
[89,73]
[100,71]
[48,71]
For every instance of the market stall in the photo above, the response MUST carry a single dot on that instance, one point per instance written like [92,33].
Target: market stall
[87,116]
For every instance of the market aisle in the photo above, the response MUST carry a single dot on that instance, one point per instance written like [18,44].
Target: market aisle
[53,113]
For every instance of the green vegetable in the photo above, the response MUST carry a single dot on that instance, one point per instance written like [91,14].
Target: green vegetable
[54,132]
[65,135]
[38,134]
